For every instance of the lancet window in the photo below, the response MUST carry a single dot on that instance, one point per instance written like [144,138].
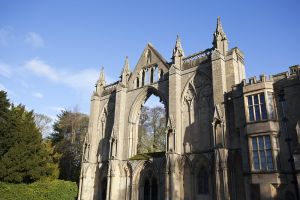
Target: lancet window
[150,74]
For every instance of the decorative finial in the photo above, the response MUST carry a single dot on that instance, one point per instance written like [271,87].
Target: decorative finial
[220,41]
[219,25]
[101,80]
[125,72]
[126,65]
[178,50]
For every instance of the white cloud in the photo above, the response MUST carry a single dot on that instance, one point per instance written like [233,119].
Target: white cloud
[81,80]
[34,40]
[5,70]
[40,68]
[5,36]
[38,95]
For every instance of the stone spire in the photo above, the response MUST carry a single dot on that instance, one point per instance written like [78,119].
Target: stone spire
[178,50]
[101,80]
[220,41]
[125,72]
[178,53]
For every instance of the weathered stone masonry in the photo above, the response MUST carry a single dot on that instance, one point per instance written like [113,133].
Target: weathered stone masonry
[227,137]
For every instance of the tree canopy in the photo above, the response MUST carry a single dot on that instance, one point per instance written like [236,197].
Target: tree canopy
[152,126]
[23,157]
[68,136]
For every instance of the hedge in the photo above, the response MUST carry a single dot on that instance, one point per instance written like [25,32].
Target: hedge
[40,190]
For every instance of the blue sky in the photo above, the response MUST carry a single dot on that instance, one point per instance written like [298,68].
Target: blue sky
[51,52]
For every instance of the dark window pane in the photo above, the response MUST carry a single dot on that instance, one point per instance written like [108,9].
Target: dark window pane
[261,142]
[255,160]
[263,159]
[251,113]
[263,111]
[257,112]
[262,98]
[263,106]
[268,142]
[254,143]
[256,99]
[250,103]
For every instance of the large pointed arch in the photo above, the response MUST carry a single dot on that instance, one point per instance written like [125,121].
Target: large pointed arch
[134,114]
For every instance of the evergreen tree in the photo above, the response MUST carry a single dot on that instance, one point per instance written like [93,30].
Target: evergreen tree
[25,159]
[6,139]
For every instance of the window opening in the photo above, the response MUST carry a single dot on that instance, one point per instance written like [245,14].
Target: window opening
[262,153]
[152,126]
[257,107]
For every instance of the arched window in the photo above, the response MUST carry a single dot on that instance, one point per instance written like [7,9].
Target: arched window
[152,126]
[137,82]
[202,182]
[151,75]
[161,74]
[143,78]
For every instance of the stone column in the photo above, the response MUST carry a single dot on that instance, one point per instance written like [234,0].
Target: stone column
[221,171]
[113,181]
[87,181]
[218,77]
[119,120]
[175,105]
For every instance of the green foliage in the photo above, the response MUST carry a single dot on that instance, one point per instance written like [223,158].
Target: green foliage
[152,126]
[6,140]
[40,190]
[23,156]
[69,132]
[51,158]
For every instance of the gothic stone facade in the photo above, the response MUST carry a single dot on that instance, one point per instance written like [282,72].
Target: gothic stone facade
[226,138]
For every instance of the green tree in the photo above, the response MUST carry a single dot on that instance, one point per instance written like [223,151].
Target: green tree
[69,132]
[23,160]
[6,139]
[152,126]
[51,158]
